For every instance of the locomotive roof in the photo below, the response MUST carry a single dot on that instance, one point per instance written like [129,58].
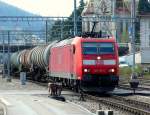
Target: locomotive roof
[69,41]
[64,42]
[99,39]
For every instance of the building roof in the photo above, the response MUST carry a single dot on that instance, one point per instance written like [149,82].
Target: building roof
[89,9]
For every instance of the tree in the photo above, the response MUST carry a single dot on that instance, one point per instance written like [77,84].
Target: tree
[144,6]
[79,12]
[68,25]
[54,31]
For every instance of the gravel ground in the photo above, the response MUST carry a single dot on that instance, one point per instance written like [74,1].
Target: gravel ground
[88,104]
[15,84]
[140,98]
[93,105]
[1,110]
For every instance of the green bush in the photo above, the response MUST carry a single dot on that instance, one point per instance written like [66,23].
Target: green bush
[126,71]
[138,68]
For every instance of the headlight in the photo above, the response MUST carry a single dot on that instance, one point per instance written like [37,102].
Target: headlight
[98,57]
[112,70]
[85,70]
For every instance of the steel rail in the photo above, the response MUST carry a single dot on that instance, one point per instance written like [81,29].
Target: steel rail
[143,105]
[123,106]
[129,88]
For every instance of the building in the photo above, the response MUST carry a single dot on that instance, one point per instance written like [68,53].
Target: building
[92,13]
[108,10]
[120,29]
[145,38]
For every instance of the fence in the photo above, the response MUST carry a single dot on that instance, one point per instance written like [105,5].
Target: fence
[21,32]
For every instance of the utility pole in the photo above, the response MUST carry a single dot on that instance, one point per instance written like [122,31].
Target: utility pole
[114,18]
[61,34]
[46,31]
[8,65]
[133,16]
[3,55]
[75,21]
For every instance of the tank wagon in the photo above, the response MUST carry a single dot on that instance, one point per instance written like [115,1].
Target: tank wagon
[87,63]
[14,60]
[33,61]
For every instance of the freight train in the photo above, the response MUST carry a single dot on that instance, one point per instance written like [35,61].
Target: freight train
[87,63]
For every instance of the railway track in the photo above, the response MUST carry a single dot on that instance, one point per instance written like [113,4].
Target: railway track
[118,102]
[140,88]
[37,82]
[144,84]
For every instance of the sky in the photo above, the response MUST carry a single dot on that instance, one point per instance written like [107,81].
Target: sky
[45,7]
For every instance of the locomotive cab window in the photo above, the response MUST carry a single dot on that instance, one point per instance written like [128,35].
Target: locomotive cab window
[97,48]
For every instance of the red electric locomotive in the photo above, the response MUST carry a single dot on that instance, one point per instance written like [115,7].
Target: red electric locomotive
[88,63]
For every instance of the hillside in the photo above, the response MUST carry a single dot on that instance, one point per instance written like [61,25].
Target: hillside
[9,10]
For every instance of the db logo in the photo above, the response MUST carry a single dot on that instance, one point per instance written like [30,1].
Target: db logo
[99,62]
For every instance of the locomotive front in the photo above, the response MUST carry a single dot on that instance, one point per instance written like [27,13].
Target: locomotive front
[99,64]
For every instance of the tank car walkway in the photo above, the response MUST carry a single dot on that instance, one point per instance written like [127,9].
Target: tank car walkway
[32,99]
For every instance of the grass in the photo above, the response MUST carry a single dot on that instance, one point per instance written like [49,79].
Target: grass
[125,74]
[127,71]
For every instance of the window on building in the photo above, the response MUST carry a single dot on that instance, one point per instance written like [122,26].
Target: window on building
[88,26]
[119,4]
[149,40]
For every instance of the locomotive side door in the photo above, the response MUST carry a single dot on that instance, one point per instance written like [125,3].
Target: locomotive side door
[72,52]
